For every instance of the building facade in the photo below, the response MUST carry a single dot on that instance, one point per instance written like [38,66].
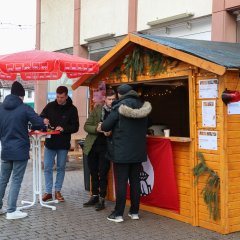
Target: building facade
[90,28]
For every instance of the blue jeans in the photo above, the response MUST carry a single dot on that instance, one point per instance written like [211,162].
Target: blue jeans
[17,169]
[49,159]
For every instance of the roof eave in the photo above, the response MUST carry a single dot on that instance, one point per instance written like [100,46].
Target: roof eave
[185,57]
[131,38]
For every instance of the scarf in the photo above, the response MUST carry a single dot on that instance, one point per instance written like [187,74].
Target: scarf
[105,109]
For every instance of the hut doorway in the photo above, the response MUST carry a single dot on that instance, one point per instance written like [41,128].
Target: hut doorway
[170,105]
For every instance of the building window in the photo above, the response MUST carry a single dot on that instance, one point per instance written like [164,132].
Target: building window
[238,28]
[236,13]
[29,94]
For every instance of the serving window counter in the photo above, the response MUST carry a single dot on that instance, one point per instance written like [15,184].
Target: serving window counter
[185,94]
[170,106]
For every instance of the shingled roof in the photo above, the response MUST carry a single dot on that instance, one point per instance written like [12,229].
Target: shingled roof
[215,57]
[222,53]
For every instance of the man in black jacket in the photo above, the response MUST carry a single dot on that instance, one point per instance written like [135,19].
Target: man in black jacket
[61,115]
[128,123]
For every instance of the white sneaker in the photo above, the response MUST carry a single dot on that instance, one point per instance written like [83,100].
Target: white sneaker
[16,215]
[113,217]
[133,216]
[2,211]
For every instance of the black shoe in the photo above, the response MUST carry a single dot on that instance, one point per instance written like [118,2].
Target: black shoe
[101,204]
[92,201]
[113,217]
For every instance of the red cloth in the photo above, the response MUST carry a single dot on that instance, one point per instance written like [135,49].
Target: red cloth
[158,182]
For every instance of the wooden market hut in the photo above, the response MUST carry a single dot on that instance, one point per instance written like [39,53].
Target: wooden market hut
[174,63]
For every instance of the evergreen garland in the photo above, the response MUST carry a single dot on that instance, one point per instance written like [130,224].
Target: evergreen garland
[118,72]
[211,190]
[134,63]
[156,63]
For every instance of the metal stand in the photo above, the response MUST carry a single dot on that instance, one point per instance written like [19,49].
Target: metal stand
[37,173]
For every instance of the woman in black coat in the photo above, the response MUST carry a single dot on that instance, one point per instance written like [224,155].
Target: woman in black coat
[128,123]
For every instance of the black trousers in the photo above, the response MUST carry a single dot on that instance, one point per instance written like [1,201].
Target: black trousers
[123,173]
[98,167]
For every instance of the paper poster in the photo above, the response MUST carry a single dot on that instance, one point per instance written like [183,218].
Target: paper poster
[233,108]
[99,93]
[208,88]
[98,96]
[207,140]
[102,86]
[209,113]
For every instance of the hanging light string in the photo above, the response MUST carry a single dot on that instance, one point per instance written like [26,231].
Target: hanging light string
[163,92]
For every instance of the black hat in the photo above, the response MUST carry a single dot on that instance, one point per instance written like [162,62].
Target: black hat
[123,89]
[17,89]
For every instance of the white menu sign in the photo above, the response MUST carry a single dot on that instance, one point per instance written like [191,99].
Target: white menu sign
[233,108]
[209,113]
[208,88]
[207,140]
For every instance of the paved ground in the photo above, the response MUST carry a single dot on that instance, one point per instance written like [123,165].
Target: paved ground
[72,221]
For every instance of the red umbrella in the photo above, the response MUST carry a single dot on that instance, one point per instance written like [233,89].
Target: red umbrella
[43,65]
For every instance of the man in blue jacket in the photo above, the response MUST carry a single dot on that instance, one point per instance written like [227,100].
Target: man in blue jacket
[14,138]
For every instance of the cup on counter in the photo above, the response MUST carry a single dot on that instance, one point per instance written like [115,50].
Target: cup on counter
[166,132]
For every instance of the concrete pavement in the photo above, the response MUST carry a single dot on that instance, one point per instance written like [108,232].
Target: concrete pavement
[72,221]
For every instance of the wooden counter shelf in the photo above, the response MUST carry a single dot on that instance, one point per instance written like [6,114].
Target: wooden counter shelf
[173,138]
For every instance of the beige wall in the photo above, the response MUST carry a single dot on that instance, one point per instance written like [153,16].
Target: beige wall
[103,16]
[57,20]
[149,10]
[99,17]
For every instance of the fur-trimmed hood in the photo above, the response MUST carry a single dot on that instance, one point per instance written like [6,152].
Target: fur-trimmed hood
[128,122]
[137,112]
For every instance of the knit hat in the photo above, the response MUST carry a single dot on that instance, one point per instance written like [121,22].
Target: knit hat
[17,89]
[123,89]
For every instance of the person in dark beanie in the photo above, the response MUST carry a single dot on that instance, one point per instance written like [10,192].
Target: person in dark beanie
[123,89]
[17,89]
[128,123]
[15,116]
[61,115]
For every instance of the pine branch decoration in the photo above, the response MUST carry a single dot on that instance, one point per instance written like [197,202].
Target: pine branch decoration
[156,63]
[134,64]
[211,190]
